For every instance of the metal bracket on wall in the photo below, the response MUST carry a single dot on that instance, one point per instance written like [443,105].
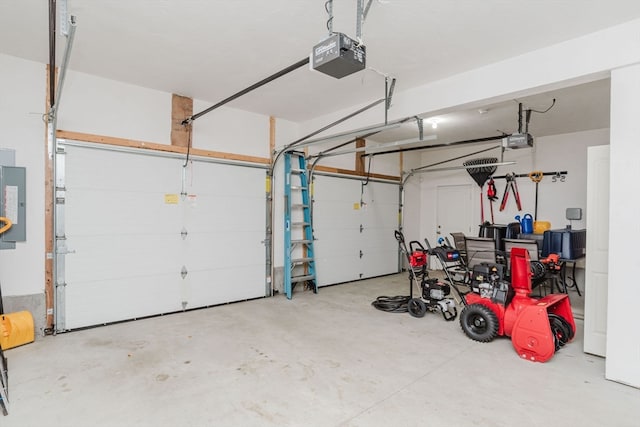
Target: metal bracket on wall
[60,243]
[556,175]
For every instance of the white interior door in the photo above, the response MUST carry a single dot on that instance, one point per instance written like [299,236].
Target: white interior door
[455,211]
[596,271]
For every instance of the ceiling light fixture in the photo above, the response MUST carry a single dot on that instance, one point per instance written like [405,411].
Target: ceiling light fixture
[434,122]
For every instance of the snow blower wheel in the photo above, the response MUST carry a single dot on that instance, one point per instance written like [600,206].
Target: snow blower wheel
[417,307]
[479,323]
[561,330]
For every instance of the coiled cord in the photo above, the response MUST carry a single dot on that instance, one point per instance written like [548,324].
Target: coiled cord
[396,304]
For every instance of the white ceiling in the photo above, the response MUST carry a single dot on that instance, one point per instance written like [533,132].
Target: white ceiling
[210,49]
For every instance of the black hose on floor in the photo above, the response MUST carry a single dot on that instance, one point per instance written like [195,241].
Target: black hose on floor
[396,304]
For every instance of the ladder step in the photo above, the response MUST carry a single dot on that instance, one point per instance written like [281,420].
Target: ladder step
[305,241]
[299,205]
[298,187]
[300,224]
[298,279]
[301,260]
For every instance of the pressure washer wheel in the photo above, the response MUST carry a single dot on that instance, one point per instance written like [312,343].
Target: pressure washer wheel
[479,322]
[561,330]
[416,307]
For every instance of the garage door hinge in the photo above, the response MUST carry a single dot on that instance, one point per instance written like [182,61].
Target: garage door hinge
[60,195]
[184,233]
[184,272]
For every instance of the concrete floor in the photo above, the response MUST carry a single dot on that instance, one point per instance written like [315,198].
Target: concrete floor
[329,359]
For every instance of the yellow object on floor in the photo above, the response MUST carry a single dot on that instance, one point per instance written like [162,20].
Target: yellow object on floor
[16,329]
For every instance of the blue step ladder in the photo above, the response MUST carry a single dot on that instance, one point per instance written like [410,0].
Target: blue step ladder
[299,262]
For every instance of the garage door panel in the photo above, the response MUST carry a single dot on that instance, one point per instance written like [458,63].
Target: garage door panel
[142,296]
[380,219]
[385,216]
[239,249]
[129,251]
[325,216]
[225,179]
[110,257]
[331,188]
[381,237]
[343,269]
[380,261]
[101,211]
[225,213]
[106,169]
[338,218]
[225,284]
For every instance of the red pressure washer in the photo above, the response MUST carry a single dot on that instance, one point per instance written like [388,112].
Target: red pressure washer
[434,294]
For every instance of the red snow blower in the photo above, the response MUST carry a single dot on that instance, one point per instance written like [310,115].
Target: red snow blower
[537,327]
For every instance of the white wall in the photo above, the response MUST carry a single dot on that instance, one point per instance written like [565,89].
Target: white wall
[22,104]
[94,105]
[623,335]
[231,130]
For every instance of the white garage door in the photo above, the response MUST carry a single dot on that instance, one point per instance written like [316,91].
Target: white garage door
[141,249]
[354,224]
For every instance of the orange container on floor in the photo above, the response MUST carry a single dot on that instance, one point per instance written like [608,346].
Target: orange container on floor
[16,329]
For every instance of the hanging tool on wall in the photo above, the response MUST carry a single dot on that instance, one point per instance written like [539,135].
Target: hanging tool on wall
[536,177]
[492,195]
[558,176]
[513,186]
[480,170]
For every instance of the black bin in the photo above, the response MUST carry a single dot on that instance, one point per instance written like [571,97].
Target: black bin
[494,231]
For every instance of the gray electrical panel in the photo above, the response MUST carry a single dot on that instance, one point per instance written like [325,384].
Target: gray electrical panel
[13,205]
